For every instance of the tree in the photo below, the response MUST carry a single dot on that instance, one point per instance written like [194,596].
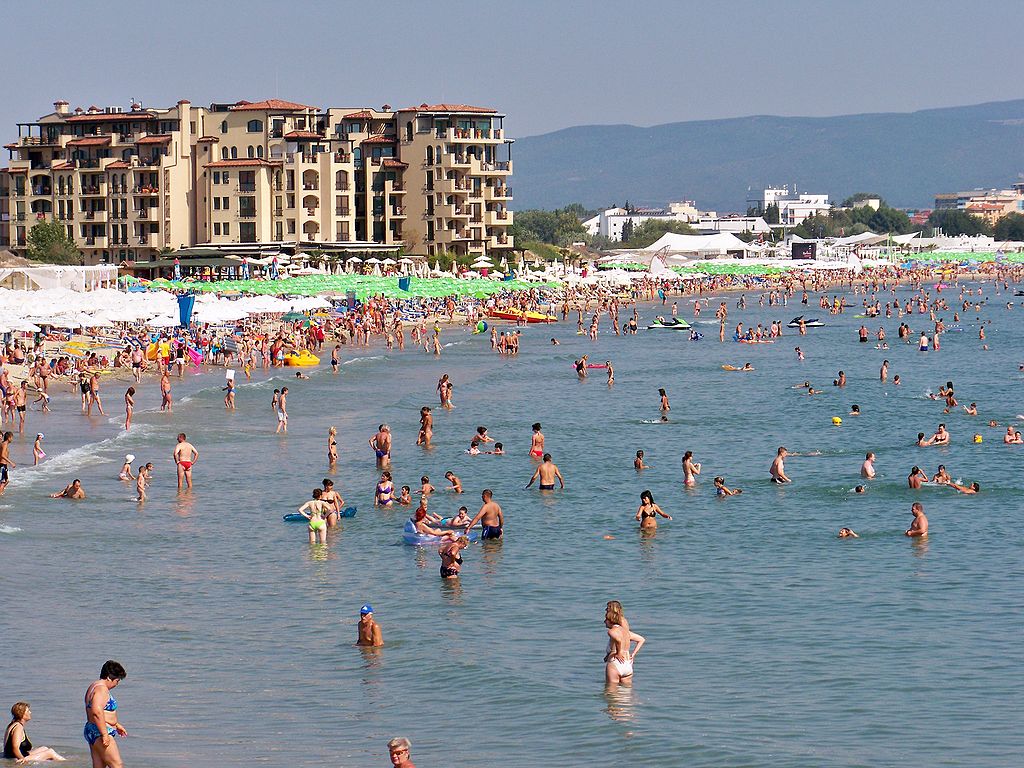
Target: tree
[48,242]
[1010,227]
[771,214]
[887,219]
[955,222]
[627,230]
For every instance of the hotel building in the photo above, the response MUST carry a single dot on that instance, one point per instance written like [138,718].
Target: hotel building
[262,176]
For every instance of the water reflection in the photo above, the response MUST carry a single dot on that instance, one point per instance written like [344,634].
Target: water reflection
[620,702]
[919,546]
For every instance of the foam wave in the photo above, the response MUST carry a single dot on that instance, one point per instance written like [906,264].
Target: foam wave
[363,359]
[9,529]
[102,451]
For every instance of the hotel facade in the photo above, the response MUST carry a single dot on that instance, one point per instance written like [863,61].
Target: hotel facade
[131,185]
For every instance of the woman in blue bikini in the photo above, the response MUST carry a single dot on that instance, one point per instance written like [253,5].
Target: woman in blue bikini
[101,717]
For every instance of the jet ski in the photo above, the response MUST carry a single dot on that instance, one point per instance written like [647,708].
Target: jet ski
[671,324]
[810,322]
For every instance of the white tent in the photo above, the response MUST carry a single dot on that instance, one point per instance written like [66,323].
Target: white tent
[720,244]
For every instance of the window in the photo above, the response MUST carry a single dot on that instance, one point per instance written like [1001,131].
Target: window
[223,153]
[234,153]
[251,151]
[247,232]
[216,228]
[259,151]
[430,155]
[227,228]
[226,176]
[216,177]
[227,204]
[224,126]
[254,126]
[216,203]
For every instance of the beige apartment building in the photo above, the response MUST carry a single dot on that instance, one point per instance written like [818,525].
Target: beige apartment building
[261,177]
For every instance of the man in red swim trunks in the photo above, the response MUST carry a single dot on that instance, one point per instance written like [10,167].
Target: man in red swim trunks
[185,455]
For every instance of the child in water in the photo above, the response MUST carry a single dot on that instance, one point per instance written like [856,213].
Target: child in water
[722,490]
[37,449]
[126,470]
[405,499]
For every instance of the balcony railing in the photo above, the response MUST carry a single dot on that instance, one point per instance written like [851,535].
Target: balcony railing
[19,217]
[143,240]
[87,162]
[41,191]
[341,186]
[247,214]
[90,241]
[143,213]
[398,210]
[279,211]
[310,186]
[342,157]
[143,189]
[246,186]
[341,211]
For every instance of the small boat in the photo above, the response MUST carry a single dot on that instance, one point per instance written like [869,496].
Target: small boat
[810,322]
[671,324]
[517,314]
[304,358]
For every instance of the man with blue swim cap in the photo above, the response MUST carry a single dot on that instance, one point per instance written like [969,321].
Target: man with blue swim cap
[369,630]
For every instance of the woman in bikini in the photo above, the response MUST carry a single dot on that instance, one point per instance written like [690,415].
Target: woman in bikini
[101,720]
[618,667]
[332,447]
[691,469]
[384,496]
[647,513]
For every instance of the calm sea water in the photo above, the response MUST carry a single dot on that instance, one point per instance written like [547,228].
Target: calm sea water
[769,641]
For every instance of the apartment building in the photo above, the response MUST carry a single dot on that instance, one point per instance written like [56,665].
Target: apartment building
[129,185]
[988,204]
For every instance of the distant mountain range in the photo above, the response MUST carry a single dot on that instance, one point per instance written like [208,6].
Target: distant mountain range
[905,157]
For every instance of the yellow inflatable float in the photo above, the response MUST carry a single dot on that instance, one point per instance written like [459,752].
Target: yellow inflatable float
[301,359]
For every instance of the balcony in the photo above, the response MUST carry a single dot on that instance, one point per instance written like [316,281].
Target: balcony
[462,234]
[146,190]
[342,211]
[501,193]
[341,186]
[311,186]
[42,191]
[117,189]
[342,157]
[249,186]
[87,162]
[142,213]
[143,240]
[94,190]
[398,212]
[247,214]
[19,192]
[279,211]
[95,215]
[459,160]
[470,134]
[19,216]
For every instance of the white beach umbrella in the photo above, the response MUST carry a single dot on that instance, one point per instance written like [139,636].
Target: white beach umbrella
[163,321]
[373,260]
[354,260]
[389,262]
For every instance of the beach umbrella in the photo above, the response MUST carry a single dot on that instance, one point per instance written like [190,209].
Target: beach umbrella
[373,260]
[389,262]
[354,260]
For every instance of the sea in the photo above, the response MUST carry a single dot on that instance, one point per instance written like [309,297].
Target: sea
[769,641]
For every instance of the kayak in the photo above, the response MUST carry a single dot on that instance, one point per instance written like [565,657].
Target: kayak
[674,324]
[413,539]
[295,517]
[301,359]
[811,322]
[517,314]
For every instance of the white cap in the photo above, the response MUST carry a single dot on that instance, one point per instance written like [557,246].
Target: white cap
[129,457]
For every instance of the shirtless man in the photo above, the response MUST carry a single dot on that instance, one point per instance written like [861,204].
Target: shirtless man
[6,462]
[490,516]
[185,455]
[867,469]
[165,392]
[916,478]
[778,468]
[547,472]
[537,442]
[137,357]
[381,444]
[369,633]
[21,404]
[282,411]
[456,484]
[73,491]
[920,525]
[941,436]
[1010,437]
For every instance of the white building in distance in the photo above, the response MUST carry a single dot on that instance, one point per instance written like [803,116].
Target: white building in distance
[793,207]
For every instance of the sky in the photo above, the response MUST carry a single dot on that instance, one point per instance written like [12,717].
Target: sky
[546,64]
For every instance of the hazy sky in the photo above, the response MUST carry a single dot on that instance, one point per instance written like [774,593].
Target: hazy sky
[548,64]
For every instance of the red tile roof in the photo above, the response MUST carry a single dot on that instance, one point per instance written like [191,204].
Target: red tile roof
[241,163]
[363,114]
[390,162]
[303,135]
[118,165]
[10,146]
[207,138]
[447,108]
[270,105]
[111,117]
[90,141]
[381,139]
[16,170]
[154,139]
[63,167]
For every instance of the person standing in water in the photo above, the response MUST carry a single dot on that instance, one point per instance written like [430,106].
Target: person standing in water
[647,513]
[537,442]
[184,455]
[547,472]
[129,407]
[369,633]
[664,406]
[778,468]
[381,444]
[332,447]
[618,667]
[490,516]
[920,525]
[691,469]
[101,719]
